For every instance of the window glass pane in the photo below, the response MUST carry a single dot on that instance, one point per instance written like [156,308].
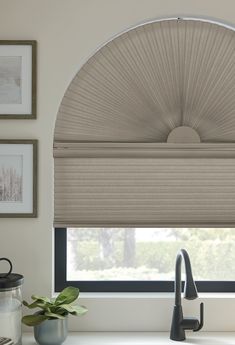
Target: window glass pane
[148,254]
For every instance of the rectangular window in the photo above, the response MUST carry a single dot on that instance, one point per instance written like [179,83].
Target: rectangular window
[143,259]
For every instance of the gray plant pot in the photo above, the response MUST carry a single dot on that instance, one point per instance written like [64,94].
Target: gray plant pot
[51,332]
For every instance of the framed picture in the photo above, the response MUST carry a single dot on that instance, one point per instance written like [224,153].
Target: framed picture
[18,79]
[18,178]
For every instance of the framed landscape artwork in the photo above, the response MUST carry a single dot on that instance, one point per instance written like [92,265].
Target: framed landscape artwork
[18,79]
[18,178]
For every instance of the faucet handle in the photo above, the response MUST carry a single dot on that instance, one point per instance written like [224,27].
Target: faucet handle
[201,318]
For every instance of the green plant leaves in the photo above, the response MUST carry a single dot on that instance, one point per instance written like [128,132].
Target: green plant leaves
[54,316]
[57,308]
[33,320]
[36,304]
[67,296]
[30,306]
[74,309]
[41,299]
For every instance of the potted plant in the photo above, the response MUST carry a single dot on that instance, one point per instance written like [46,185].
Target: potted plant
[51,321]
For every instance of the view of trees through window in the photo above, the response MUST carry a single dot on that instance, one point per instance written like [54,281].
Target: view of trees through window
[148,253]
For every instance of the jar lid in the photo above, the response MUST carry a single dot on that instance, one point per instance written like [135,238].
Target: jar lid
[10,280]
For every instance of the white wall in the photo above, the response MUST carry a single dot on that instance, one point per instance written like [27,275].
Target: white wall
[67,32]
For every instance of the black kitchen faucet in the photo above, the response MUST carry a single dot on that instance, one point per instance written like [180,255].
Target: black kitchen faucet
[179,323]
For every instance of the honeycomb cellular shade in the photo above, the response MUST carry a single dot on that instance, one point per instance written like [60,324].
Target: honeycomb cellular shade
[152,186]
[145,133]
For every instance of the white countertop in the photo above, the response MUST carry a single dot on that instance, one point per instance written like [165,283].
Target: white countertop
[141,338]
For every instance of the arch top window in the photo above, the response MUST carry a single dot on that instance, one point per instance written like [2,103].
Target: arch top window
[145,82]
[145,133]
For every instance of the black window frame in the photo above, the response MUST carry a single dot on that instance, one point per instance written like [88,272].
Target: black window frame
[60,261]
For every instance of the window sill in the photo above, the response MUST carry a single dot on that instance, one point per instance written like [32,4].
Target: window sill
[143,338]
[150,312]
[154,295]
[161,295]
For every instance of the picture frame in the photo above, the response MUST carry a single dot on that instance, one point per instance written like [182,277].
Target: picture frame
[18,74]
[18,178]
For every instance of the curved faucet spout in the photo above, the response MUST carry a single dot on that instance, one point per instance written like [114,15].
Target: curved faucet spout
[179,323]
[190,290]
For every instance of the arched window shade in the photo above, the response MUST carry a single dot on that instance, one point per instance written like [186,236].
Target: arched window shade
[145,134]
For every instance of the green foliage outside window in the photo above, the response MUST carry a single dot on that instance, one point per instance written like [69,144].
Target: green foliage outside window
[109,253]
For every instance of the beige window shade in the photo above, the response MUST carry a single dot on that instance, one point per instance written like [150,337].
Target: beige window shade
[144,185]
[151,79]
[167,87]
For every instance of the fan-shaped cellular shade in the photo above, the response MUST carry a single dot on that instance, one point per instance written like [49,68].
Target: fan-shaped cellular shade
[152,79]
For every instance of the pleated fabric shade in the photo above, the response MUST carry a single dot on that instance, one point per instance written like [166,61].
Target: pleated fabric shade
[145,133]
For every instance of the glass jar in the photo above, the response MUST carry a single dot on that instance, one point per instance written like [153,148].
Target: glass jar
[11,305]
